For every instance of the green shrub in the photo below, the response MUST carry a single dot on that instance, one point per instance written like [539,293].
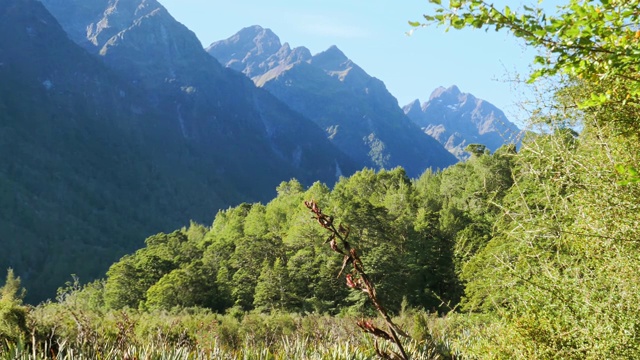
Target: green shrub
[13,315]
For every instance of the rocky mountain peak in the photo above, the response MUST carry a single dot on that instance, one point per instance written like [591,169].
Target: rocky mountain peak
[257,39]
[458,119]
[93,23]
[446,94]
[298,54]
[330,59]
[413,108]
[255,50]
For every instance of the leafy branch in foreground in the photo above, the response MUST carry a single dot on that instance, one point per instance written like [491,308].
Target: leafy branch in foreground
[593,41]
[357,279]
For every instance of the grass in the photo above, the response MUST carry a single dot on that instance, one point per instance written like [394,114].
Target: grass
[200,335]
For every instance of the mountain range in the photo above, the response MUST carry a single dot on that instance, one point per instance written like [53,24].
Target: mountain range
[216,111]
[106,146]
[117,124]
[356,111]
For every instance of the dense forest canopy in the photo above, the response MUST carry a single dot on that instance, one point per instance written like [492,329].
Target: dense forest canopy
[272,256]
[559,271]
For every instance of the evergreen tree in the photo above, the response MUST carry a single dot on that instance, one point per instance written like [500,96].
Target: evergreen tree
[13,316]
[273,290]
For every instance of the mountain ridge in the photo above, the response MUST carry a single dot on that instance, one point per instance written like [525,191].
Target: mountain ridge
[357,112]
[213,104]
[107,149]
[457,119]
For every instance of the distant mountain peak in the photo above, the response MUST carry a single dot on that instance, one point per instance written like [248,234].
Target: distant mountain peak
[330,59]
[255,51]
[450,92]
[334,51]
[264,39]
[457,119]
[251,31]
[300,53]
[413,108]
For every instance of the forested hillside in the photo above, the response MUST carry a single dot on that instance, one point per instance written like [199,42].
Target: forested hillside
[413,236]
[258,260]
[93,162]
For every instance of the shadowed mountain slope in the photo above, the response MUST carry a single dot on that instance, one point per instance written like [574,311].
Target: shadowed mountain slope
[357,112]
[104,146]
[257,140]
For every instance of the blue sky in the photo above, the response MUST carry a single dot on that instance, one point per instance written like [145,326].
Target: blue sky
[372,33]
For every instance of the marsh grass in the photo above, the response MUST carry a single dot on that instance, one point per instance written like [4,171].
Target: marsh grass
[195,334]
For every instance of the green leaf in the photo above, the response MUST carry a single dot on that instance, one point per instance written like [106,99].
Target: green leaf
[630,174]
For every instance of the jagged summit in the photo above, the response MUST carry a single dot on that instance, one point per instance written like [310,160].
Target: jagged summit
[443,93]
[330,59]
[457,119]
[252,41]
[298,54]
[92,24]
[413,108]
[358,113]
[255,51]
[336,64]
[256,33]
[136,37]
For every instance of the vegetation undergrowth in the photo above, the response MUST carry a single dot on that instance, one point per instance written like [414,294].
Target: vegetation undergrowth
[60,332]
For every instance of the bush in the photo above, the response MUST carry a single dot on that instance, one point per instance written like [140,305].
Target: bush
[13,315]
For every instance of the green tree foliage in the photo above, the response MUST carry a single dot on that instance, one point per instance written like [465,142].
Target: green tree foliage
[361,200]
[457,209]
[273,287]
[13,316]
[129,279]
[561,264]
[188,286]
[271,257]
[557,271]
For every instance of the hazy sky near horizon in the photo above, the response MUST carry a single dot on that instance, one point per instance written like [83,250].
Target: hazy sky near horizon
[372,33]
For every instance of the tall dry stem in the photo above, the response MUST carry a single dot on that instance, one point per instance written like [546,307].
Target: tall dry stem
[358,279]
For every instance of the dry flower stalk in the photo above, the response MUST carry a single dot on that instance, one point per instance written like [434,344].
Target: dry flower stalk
[357,279]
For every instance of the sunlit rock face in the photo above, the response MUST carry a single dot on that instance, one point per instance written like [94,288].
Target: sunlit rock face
[219,111]
[357,112]
[457,119]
